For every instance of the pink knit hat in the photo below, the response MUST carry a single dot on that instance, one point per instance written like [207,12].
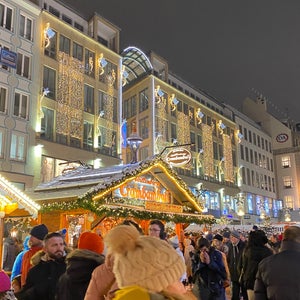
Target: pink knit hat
[4,282]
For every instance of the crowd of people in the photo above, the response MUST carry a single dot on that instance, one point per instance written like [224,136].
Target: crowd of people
[131,264]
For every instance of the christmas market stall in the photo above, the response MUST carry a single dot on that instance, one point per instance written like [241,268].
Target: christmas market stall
[16,210]
[87,198]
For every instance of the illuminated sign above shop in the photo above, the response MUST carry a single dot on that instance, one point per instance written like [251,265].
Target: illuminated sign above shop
[178,157]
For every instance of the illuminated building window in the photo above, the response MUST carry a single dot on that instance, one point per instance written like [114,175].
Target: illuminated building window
[143,100]
[109,69]
[287,182]
[17,147]
[286,161]
[23,65]
[47,124]
[129,107]
[21,105]
[77,51]
[49,81]
[88,99]
[51,49]
[88,135]
[144,128]
[289,201]
[89,63]
[26,27]
[6,17]
[3,99]
[64,44]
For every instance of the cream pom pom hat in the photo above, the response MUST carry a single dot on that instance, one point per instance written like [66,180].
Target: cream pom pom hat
[145,261]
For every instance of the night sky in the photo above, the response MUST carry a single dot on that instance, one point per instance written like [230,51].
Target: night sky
[226,48]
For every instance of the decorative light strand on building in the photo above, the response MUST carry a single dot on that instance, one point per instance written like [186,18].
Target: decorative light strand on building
[183,128]
[228,165]
[208,163]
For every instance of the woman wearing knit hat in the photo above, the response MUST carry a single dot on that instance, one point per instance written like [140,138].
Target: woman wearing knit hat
[5,289]
[145,266]
[81,263]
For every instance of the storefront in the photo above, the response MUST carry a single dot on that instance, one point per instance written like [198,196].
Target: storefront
[98,199]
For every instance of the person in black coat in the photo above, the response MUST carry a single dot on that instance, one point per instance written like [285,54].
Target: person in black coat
[255,251]
[42,278]
[278,275]
[236,248]
[81,263]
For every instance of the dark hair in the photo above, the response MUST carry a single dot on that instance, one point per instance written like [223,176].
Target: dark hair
[203,242]
[50,235]
[257,238]
[161,225]
[132,223]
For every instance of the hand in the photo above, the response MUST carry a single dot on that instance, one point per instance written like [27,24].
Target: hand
[204,257]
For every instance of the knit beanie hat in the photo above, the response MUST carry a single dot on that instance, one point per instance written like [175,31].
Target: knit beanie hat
[145,261]
[4,282]
[91,241]
[39,231]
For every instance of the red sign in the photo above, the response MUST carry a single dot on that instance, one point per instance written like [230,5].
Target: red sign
[282,138]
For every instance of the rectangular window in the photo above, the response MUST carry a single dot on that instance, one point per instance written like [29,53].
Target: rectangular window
[88,99]
[17,147]
[77,51]
[66,19]
[173,132]
[54,11]
[47,124]
[143,100]
[49,82]
[254,138]
[242,151]
[78,26]
[251,155]
[3,99]
[144,128]
[193,141]
[1,143]
[23,65]
[286,161]
[64,44]
[21,105]
[6,17]
[26,27]
[88,135]
[130,107]
[287,182]
[89,62]
[52,47]
[289,202]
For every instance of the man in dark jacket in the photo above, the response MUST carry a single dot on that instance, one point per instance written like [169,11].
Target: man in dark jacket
[278,275]
[235,251]
[42,278]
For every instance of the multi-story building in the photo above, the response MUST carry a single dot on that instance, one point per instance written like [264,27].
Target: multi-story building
[256,175]
[285,141]
[19,89]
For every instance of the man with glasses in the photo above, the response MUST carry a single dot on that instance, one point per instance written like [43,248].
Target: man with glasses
[157,229]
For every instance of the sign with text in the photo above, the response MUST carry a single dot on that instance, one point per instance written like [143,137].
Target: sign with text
[157,206]
[178,157]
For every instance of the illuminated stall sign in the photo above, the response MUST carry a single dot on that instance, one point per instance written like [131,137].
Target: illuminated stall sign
[178,157]
[157,206]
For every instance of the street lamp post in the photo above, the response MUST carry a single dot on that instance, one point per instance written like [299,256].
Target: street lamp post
[134,141]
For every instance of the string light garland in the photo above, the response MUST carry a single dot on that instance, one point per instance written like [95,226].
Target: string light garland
[208,162]
[228,165]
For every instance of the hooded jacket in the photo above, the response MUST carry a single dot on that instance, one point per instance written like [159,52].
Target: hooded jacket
[16,270]
[74,282]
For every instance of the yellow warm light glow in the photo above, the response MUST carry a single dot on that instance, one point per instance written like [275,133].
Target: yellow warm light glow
[208,158]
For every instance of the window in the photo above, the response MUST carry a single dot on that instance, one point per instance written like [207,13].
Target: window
[289,202]
[89,62]
[88,135]
[6,17]
[130,107]
[17,147]
[51,49]
[54,11]
[193,141]
[143,100]
[251,155]
[242,151]
[23,63]
[143,128]
[1,143]
[3,99]
[254,138]
[88,99]
[47,124]
[66,19]
[78,26]
[49,81]
[247,153]
[77,51]
[287,182]
[64,44]
[25,28]
[286,161]
[21,105]
[110,71]
[173,132]
[105,102]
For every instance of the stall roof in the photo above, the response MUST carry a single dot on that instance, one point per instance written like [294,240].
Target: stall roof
[9,194]
[98,183]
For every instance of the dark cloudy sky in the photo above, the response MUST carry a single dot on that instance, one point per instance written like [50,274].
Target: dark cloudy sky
[224,47]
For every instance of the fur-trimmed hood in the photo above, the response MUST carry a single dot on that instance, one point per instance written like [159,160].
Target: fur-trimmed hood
[79,254]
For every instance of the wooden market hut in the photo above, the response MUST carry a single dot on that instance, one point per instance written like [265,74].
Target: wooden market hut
[146,190]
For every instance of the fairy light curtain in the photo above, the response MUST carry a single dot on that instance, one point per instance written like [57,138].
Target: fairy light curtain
[183,128]
[228,166]
[208,160]
[161,118]
[69,120]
